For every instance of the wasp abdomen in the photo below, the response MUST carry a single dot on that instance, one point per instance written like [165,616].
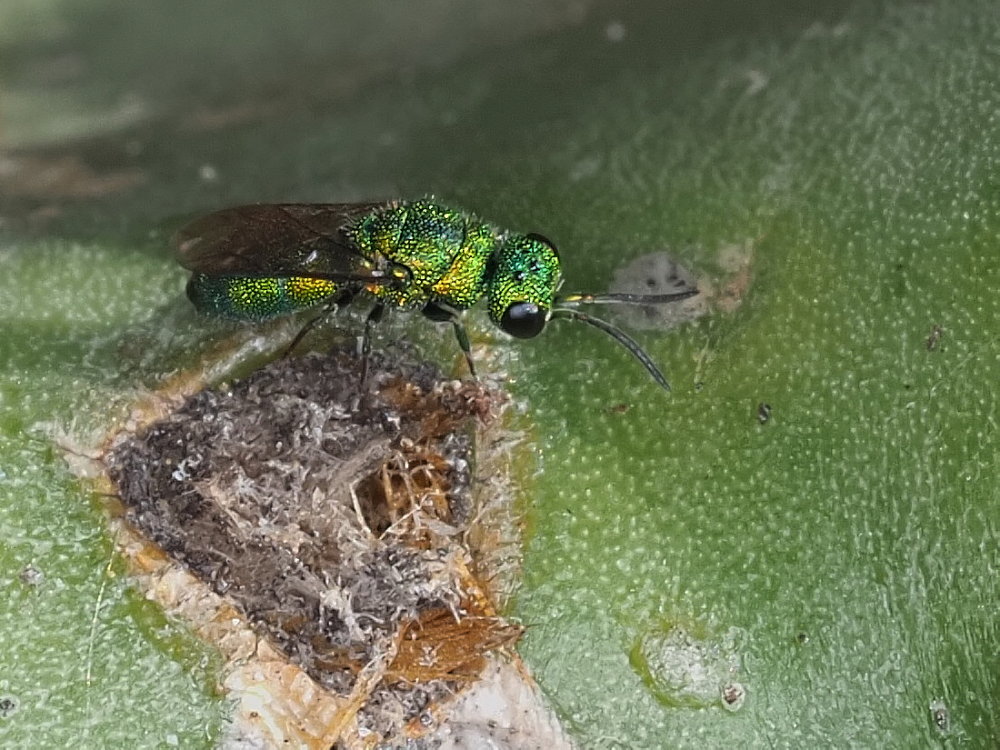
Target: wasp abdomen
[255,298]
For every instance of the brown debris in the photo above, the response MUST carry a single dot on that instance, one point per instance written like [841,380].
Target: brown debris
[439,646]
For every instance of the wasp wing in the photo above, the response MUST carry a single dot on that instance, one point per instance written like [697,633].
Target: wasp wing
[277,239]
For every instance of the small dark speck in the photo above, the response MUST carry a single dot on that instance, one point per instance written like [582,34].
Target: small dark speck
[940,715]
[802,638]
[31,576]
[733,695]
[8,706]
[619,408]
[934,338]
[763,412]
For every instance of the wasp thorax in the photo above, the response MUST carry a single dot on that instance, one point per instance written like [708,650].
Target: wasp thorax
[523,276]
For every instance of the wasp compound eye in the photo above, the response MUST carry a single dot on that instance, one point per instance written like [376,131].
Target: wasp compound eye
[523,320]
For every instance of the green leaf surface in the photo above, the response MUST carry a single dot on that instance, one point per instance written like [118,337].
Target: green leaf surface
[840,561]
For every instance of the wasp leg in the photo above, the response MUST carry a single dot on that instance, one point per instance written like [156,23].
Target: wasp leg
[374,316]
[305,329]
[329,307]
[440,314]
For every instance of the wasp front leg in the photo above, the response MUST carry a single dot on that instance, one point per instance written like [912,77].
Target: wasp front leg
[441,314]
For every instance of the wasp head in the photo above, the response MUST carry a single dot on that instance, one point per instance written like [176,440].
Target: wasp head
[523,276]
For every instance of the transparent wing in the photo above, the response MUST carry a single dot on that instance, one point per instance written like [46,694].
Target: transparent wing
[277,239]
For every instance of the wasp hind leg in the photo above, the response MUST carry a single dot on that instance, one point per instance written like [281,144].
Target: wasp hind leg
[329,308]
[439,314]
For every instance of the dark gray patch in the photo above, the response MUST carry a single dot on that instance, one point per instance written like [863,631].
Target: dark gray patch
[273,492]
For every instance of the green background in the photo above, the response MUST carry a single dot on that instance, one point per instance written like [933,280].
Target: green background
[844,554]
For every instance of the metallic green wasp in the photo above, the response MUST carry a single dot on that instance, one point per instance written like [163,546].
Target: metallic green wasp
[258,261]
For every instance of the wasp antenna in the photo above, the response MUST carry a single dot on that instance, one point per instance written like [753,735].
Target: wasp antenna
[621,337]
[624,299]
